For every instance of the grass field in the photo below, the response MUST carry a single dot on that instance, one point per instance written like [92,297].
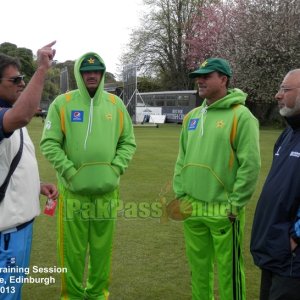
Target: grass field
[149,259]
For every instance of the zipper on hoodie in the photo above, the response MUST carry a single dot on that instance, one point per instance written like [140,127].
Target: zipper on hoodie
[203,112]
[90,122]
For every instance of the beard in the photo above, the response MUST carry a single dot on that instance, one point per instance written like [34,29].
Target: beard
[290,111]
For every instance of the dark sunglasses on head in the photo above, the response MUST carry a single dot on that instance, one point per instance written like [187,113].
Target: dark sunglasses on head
[15,79]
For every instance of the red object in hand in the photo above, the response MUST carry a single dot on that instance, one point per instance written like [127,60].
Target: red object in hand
[50,207]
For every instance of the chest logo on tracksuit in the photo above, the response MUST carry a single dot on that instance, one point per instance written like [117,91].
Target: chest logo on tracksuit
[77,116]
[220,124]
[108,116]
[193,124]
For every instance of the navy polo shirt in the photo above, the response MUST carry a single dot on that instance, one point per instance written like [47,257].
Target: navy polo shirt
[4,107]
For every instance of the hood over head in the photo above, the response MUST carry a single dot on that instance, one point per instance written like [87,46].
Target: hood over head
[90,61]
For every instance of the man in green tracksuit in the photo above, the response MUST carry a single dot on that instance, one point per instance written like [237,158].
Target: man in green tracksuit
[88,138]
[215,175]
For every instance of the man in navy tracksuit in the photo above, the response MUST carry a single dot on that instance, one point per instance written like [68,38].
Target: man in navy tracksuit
[276,226]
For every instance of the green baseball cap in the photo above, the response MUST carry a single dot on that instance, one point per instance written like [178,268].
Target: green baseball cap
[212,65]
[91,63]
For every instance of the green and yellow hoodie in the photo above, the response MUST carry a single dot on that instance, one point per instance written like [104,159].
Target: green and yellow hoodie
[89,141]
[219,156]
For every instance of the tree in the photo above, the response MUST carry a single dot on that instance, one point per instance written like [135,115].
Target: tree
[51,87]
[158,46]
[23,54]
[110,78]
[267,48]
[28,66]
[206,30]
[148,84]
[259,38]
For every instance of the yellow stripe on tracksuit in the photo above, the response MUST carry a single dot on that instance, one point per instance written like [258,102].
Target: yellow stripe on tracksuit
[207,234]
[78,228]
[121,114]
[232,136]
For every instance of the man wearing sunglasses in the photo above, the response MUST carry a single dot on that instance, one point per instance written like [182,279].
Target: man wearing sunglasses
[19,203]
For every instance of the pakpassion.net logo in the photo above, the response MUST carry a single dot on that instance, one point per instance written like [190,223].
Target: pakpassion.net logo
[162,209]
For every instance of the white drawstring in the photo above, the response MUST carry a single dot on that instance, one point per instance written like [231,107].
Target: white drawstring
[203,112]
[90,123]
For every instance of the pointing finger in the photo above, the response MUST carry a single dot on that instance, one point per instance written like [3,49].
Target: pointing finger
[50,44]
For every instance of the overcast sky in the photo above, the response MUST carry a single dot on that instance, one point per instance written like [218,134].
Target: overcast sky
[78,26]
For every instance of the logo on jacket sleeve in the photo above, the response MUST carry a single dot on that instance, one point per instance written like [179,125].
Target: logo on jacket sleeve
[295,154]
[77,116]
[48,125]
[193,124]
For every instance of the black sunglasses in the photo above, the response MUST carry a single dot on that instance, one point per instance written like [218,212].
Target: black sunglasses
[15,79]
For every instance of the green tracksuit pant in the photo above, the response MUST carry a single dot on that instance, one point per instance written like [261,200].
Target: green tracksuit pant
[85,231]
[210,237]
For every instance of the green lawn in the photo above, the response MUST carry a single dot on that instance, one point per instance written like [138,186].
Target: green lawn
[149,259]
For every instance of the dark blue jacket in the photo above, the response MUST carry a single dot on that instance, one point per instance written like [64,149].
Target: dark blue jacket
[277,207]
